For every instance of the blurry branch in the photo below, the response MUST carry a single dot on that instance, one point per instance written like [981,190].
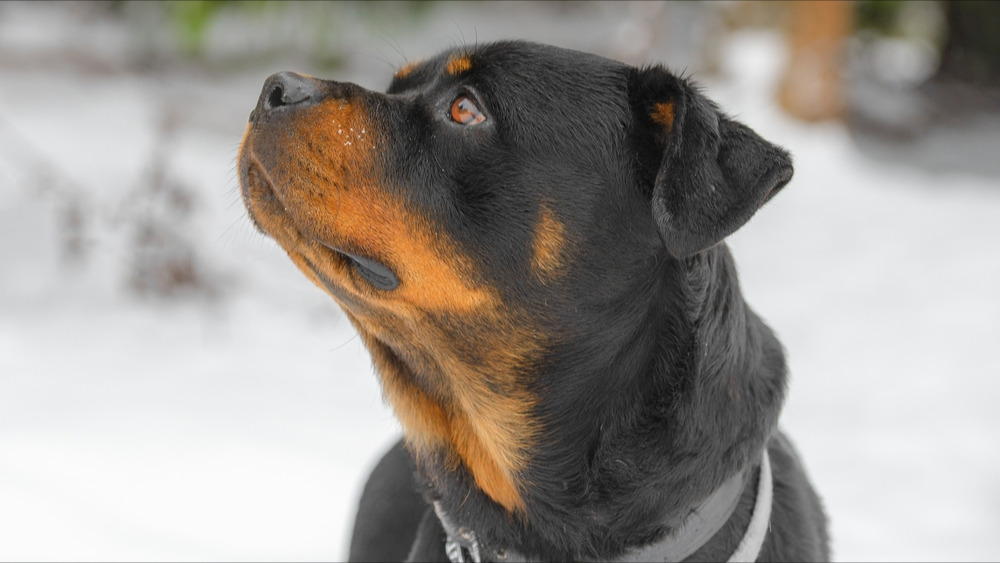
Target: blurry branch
[73,206]
[157,214]
[155,217]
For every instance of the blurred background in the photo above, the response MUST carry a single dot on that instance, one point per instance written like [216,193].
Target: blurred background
[171,388]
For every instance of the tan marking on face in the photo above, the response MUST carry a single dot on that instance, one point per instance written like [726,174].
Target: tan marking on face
[548,244]
[663,114]
[485,439]
[406,69]
[458,64]
[451,356]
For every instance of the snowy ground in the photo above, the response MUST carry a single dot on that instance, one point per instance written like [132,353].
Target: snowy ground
[241,427]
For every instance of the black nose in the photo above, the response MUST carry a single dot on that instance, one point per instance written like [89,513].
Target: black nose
[284,90]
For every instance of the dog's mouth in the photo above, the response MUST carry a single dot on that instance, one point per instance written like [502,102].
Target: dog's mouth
[423,308]
[271,215]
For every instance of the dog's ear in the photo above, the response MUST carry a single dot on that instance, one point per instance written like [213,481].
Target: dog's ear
[712,173]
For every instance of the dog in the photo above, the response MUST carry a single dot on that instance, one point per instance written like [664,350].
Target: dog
[530,242]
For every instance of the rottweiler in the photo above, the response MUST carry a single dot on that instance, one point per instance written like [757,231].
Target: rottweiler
[529,241]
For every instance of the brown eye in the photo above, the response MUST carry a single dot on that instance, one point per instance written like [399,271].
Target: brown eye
[466,112]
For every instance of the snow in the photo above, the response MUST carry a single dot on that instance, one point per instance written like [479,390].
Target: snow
[242,426]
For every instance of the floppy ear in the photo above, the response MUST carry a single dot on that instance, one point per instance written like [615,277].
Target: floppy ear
[713,173]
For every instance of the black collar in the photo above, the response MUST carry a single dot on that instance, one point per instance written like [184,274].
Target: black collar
[698,528]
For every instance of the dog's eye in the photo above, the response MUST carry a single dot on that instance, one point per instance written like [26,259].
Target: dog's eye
[466,112]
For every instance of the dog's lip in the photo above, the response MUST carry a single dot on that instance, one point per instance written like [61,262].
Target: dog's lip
[374,271]
[256,189]
[259,192]
[266,208]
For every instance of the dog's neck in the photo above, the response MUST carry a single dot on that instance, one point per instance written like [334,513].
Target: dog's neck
[639,443]
[699,538]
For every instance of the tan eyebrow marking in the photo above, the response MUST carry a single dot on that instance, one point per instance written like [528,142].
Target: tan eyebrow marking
[406,69]
[458,64]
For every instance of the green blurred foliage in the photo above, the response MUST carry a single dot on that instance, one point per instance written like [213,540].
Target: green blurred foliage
[189,22]
[972,50]
[968,38]
[881,16]
[190,18]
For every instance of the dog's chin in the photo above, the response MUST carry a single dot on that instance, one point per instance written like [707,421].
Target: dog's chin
[261,203]
[270,216]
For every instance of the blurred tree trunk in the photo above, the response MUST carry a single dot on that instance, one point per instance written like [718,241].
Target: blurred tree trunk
[811,87]
[971,52]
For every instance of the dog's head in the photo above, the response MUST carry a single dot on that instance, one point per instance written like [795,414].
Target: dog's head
[498,209]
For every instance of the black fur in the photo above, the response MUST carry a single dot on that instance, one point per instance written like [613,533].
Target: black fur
[657,382]
[714,174]
[386,523]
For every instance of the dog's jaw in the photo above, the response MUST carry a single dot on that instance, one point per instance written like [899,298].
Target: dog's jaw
[452,357]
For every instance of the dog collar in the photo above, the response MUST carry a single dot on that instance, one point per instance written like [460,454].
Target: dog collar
[462,545]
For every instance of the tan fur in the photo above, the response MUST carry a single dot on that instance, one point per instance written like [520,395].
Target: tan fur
[458,64]
[547,248]
[326,186]
[406,69]
[663,115]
